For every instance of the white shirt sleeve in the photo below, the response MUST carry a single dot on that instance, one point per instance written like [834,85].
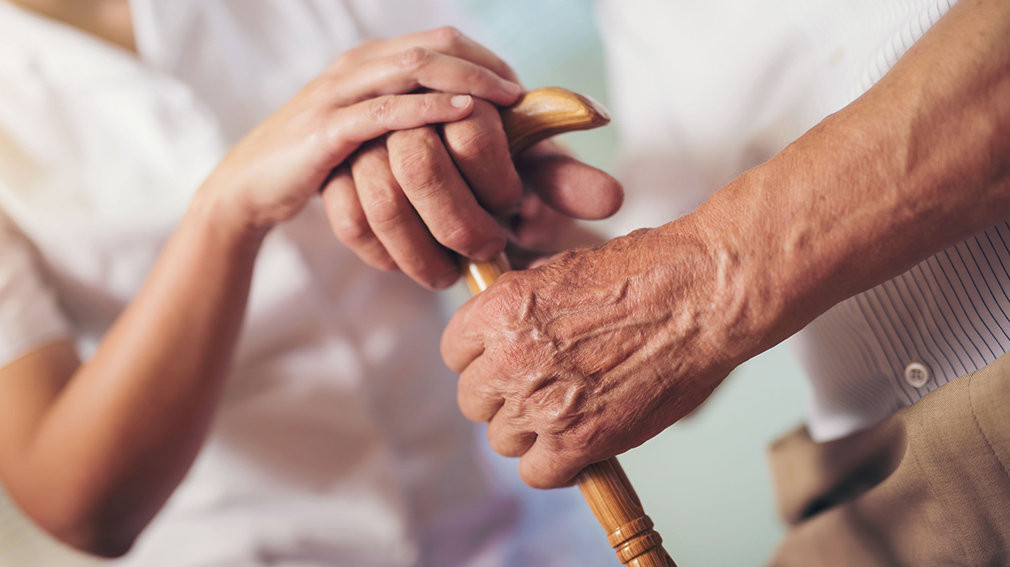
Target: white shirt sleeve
[30,316]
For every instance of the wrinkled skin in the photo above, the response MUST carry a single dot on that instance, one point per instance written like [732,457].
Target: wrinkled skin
[597,350]
[411,201]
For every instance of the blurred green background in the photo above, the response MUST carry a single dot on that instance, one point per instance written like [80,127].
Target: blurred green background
[704,481]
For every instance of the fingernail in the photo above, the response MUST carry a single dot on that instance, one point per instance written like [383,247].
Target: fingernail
[460,101]
[514,88]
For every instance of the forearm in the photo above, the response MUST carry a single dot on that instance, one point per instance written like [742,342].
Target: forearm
[121,434]
[918,163]
[101,447]
[601,349]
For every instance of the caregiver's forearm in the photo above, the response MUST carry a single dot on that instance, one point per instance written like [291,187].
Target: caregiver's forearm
[109,448]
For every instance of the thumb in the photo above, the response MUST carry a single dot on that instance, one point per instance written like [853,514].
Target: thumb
[568,185]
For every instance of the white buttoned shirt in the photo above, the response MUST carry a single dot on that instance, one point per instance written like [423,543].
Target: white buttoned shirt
[702,91]
[337,440]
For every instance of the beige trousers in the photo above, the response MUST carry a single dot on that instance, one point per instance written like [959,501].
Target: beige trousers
[929,485]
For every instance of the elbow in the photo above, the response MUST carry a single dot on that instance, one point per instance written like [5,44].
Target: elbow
[84,530]
[94,540]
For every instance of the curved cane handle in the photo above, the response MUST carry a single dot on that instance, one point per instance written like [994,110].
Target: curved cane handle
[539,114]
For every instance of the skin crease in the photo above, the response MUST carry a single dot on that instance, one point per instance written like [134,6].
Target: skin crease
[413,213]
[587,356]
[90,450]
[408,202]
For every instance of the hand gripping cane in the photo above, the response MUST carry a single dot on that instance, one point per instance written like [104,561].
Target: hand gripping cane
[539,114]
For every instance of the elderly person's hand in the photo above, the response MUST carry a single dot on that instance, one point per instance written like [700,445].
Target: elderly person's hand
[409,201]
[369,91]
[598,350]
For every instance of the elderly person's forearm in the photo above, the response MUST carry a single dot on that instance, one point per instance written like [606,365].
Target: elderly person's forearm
[918,163]
[594,353]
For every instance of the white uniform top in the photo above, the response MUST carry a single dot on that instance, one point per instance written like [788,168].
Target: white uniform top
[704,90]
[338,440]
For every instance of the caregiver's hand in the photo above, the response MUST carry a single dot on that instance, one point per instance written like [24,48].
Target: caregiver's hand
[596,351]
[369,91]
[408,201]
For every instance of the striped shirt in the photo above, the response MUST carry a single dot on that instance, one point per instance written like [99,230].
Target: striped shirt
[703,91]
[885,348]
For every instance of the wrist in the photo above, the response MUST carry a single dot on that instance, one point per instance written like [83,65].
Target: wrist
[806,227]
[759,287]
[223,222]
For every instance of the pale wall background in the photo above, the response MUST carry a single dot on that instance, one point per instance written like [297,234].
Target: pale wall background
[704,481]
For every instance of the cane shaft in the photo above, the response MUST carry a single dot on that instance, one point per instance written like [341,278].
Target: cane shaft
[538,115]
[616,506]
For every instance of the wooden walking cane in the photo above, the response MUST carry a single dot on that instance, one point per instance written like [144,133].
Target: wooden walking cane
[539,114]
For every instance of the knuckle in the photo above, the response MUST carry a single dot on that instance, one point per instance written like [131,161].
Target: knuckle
[498,446]
[500,303]
[468,411]
[344,60]
[475,75]
[415,57]
[505,444]
[385,211]
[352,231]
[510,293]
[366,45]
[428,103]
[511,307]
[462,238]
[354,55]
[473,392]
[536,478]
[557,405]
[319,92]
[474,142]
[418,166]
[563,259]
[463,394]
[484,154]
[582,436]
[447,36]
[526,349]
[380,109]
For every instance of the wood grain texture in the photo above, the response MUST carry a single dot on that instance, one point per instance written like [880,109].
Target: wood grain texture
[539,114]
[616,506]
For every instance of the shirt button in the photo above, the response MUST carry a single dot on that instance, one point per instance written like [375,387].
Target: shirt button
[917,374]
